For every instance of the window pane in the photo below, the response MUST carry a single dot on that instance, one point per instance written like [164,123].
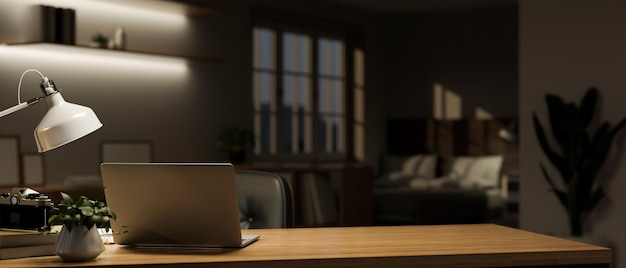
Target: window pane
[297,107]
[296,93]
[263,91]
[359,67]
[359,105]
[331,96]
[264,49]
[330,129]
[265,111]
[338,96]
[331,57]
[263,130]
[296,53]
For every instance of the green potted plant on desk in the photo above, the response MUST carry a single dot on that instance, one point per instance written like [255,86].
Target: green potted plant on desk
[579,155]
[79,239]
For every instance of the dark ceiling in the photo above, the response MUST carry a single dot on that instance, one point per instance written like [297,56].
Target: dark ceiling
[415,6]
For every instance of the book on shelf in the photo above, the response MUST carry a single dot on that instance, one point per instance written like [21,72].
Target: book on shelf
[26,251]
[48,24]
[10,238]
[58,25]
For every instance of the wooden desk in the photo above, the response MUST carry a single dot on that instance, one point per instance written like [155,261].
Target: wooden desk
[355,193]
[481,245]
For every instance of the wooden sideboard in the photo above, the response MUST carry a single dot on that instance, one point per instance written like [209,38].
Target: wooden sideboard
[479,245]
[354,194]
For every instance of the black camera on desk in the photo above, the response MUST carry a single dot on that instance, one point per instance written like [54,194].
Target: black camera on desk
[24,208]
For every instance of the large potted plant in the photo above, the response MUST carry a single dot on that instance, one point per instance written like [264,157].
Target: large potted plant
[234,141]
[79,239]
[580,154]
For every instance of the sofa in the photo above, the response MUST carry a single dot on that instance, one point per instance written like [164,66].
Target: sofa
[410,190]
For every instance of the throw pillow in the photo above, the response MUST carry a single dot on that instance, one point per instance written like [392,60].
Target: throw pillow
[477,171]
[421,165]
[485,171]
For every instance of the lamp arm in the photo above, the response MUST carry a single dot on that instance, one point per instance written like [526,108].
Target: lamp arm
[19,106]
[46,85]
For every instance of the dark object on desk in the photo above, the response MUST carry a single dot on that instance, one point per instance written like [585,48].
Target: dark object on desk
[26,251]
[23,208]
[24,238]
[265,200]
[24,243]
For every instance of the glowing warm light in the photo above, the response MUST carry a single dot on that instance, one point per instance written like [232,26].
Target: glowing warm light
[448,105]
[481,113]
[100,59]
[359,104]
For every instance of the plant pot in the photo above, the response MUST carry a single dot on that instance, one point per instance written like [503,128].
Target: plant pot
[98,44]
[81,244]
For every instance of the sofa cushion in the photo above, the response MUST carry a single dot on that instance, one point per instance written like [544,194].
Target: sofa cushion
[399,171]
[476,171]
[421,165]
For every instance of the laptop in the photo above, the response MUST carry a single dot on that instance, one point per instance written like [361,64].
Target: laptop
[174,204]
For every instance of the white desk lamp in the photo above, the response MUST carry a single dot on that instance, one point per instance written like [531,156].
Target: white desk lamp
[63,123]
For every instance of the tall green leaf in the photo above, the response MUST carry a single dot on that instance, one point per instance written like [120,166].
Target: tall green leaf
[579,156]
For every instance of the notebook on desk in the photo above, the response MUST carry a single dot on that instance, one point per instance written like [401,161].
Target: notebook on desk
[174,204]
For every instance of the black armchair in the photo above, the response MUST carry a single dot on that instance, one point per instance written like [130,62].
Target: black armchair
[265,200]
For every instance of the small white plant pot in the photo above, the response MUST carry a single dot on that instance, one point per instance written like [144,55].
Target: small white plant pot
[81,244]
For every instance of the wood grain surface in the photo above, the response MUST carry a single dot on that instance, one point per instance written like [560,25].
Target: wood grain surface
[479,245]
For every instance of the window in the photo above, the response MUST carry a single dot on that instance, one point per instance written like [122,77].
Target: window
[359,105]
[300,96]
[331,96]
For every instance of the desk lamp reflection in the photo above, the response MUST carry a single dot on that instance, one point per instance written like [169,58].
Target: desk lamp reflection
[63,123]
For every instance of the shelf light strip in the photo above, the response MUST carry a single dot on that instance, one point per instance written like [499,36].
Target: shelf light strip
[93,58]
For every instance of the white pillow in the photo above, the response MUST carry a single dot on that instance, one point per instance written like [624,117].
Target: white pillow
[421,165]
[459,167]
[477,171]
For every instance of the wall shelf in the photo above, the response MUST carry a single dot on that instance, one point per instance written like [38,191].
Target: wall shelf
[88,49]
[45,42]
[170,6]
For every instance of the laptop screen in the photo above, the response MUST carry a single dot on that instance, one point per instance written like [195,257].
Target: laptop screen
[173,204]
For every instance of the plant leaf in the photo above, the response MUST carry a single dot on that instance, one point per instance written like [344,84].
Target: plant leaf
[588,106]
[560,194]
[554,158]
[87,210]
[597,196]
[67,198]
[52,219]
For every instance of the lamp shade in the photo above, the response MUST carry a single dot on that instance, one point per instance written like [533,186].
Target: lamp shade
[63,123]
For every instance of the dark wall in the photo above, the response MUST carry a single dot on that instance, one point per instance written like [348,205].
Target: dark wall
[472,53]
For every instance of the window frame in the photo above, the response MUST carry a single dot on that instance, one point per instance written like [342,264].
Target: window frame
[315,31]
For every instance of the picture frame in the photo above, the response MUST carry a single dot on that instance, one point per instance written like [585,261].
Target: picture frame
[33,169]
[10,162]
